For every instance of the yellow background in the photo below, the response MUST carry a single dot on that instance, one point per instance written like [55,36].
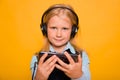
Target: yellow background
[20,36]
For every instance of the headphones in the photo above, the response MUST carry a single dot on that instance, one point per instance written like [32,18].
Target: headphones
[43,25]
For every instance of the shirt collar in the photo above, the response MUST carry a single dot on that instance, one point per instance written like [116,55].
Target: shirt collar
[68,46]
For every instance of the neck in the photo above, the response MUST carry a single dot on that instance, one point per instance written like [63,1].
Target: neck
[59,49]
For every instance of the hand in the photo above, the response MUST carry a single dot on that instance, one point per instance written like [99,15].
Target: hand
[45,68]
[73,69]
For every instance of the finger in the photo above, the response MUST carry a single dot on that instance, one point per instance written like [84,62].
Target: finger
[60,68]
[79,59]
[62,63]
[43,58]
[69,58]
[50,59]
[53,62]
[51,69]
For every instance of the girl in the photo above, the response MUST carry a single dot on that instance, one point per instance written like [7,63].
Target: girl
[59,25]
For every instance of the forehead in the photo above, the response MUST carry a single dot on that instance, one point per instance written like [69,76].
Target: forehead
[58,12]
[60,19]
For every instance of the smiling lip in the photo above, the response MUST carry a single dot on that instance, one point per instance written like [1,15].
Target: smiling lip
[58,39]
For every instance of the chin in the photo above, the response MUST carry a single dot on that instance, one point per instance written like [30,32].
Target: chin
[60,45]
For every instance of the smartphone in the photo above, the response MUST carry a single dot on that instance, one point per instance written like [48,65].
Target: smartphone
[60,55]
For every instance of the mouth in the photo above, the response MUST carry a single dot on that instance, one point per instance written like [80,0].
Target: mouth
[58,40]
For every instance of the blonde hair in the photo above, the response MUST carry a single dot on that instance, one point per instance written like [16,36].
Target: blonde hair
[57,9]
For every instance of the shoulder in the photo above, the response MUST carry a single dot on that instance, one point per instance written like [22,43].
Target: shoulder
[33,61]
[85,58]
[84,55]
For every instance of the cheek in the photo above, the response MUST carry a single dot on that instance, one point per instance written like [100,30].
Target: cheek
[50,34]
[67,35]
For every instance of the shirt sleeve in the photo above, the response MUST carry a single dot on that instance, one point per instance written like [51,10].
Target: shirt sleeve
[85,67]
[33,65]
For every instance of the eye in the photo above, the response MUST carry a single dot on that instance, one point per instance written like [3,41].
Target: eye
[53,27]
[65,28]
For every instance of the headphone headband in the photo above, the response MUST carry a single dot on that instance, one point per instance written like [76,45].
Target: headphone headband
[50,9]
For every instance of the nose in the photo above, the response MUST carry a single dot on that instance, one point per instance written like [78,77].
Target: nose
[59,33]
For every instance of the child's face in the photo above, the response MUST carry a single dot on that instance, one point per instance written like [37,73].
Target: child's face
[59,30]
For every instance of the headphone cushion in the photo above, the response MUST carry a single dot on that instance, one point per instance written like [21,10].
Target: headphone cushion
[74,31]
[44,29]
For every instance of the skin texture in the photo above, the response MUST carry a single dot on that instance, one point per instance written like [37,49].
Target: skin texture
[59,30]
